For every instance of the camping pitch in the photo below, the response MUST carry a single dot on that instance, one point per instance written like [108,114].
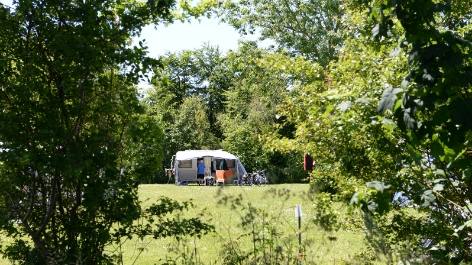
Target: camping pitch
[215,161]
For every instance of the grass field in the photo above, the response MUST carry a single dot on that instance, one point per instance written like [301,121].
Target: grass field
[277,201]
[274,224]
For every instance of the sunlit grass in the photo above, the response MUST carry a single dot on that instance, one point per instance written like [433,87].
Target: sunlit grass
[278,201]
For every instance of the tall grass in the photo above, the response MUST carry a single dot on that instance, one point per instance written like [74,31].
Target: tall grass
[253,225]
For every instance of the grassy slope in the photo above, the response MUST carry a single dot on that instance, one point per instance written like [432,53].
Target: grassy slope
[278,201]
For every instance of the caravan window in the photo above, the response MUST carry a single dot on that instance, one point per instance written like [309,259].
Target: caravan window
[230,163]
[185,164]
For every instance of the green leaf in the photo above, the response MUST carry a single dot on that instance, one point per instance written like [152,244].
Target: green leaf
[328,111]
[344,106]
[414,154]
[408,121]
[378,185]
[388,122]
[357,197]
[438,187]
[435,50]
[437,151]
[378,201]
[425,198]
[397,105]
[374,120]
[375,30]
[383,201]
[466,174]
[462,163]
[362,100]
[395,51]
[388,98]
[335,96]
[454,58]
[404,84]
[464,225]
[438,180]
[371,205]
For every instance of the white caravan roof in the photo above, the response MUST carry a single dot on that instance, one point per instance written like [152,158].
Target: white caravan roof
[194,154]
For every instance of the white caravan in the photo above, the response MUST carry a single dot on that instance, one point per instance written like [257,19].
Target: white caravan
[184,164]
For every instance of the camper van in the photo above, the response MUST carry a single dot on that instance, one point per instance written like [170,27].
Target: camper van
[185,163]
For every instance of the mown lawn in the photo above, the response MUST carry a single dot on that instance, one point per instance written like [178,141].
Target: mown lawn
[277,227]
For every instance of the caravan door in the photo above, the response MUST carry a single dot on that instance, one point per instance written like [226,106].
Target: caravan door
[207,162]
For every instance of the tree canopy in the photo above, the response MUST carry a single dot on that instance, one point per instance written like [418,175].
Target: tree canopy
[313,29]
[75,140]
[390,119]
[377,92]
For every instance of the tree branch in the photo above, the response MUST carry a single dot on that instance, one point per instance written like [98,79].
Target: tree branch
[52,202]
[33,192]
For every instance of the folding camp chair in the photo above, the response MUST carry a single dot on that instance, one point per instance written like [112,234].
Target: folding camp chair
[229,176]
[220,177]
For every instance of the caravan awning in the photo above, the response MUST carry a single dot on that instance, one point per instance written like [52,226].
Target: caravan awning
[194,154]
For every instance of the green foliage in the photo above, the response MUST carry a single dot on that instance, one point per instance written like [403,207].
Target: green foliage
[336,119]
[191,128]
[158,215]
[76,142]
[433,112]
[313,29]
[376,199]
[419,144]
[187,97]
[201,72]
[388,99]
[250,113]
[256,93]
[325,216]
[242,91]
